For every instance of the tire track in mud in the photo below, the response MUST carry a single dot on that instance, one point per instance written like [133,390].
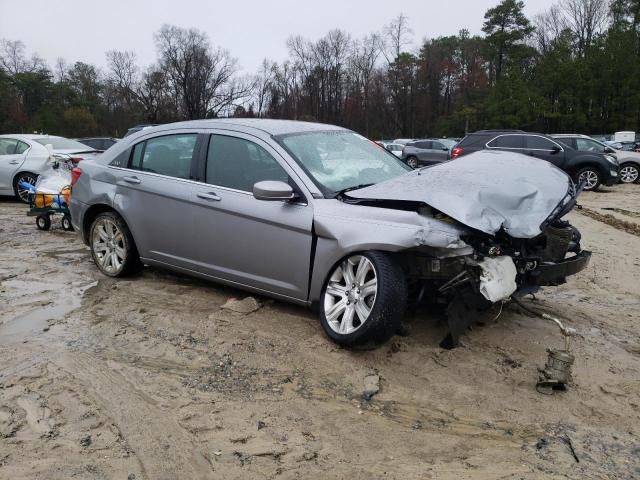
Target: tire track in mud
[618,224]
[163,448]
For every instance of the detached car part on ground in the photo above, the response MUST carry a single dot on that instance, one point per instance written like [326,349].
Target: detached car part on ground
[318,215]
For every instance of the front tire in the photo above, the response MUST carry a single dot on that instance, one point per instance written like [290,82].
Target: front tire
[112,246]
[590,176]
[629,173]
[363,300]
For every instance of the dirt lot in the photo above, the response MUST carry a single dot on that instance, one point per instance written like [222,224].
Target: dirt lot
[149,378]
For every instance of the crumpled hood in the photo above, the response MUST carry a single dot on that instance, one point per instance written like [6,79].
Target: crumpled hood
[485,190]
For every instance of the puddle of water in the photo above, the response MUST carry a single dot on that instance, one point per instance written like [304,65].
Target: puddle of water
[35,321]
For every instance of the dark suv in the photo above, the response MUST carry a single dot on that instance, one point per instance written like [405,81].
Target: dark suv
[591,168]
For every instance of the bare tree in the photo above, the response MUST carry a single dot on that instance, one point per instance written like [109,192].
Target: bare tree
[13,58]
[200,75]
[585,18]
[396,36]
[549,25]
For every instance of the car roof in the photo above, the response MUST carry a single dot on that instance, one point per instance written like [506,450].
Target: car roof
[28,136]
[269,126]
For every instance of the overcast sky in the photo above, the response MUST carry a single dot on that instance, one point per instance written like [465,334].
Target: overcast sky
[83,30]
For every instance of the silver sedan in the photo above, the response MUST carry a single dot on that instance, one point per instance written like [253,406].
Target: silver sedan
[319,215]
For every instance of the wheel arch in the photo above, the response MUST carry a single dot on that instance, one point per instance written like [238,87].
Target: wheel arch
[90,215]
[328,257]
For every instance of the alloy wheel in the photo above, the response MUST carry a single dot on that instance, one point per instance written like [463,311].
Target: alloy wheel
[350,294]
[412,162]
[590,179]
[629,174]
[108,246]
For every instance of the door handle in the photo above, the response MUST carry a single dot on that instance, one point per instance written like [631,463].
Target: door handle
[134,180]
[14,162]
[208,196]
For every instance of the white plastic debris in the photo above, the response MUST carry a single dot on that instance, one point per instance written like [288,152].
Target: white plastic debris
[498,279]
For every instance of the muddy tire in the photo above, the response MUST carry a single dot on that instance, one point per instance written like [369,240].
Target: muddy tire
[363,300]
[591,176]
[43,222]
[112,247]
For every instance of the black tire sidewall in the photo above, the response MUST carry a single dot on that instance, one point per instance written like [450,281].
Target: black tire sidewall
[388,309]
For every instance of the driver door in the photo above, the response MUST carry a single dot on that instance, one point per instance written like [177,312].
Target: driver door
[262,244]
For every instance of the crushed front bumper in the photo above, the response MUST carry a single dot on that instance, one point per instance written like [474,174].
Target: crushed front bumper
[555,273]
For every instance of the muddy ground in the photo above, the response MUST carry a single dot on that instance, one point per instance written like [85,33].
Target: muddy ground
[149,378]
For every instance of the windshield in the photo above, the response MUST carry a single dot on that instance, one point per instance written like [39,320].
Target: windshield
[337,160]
[61,143]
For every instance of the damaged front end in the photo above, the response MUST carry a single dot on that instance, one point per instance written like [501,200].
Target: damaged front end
[512,238]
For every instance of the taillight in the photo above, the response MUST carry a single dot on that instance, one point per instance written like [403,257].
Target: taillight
[75,175]
[456,152]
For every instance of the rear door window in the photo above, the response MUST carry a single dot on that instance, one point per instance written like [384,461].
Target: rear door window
[237,163]
[169,155]
[534,142]
[8,146]
[507,141]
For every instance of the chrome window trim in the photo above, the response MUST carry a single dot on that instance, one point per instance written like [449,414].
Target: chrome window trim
[522,148]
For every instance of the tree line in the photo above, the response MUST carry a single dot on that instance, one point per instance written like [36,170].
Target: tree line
[572,68]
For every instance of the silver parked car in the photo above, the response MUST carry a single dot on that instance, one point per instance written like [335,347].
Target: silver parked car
[426,152]
[318,215]
[629,161]
[24,157]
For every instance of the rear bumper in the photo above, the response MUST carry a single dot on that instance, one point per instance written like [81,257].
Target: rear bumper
[77,210]
[556,273]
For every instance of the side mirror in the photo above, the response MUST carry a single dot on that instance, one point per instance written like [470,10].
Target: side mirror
[555,149]
[609,150]
[273,190]
[444,149]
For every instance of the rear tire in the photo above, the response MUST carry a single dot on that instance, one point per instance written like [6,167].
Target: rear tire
[112,247]
[629,173]
[592,177]
[412,162]
[363,300]
[20,193]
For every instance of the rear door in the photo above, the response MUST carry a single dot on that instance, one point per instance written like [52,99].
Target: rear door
[263,244]
[545,149]
[155,194]
[12,155]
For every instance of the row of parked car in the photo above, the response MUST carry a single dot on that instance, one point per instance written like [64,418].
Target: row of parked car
[587,160]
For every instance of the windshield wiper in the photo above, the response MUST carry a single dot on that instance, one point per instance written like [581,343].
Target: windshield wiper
[339,193]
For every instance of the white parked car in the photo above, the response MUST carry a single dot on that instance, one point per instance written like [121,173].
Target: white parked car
[24,157]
